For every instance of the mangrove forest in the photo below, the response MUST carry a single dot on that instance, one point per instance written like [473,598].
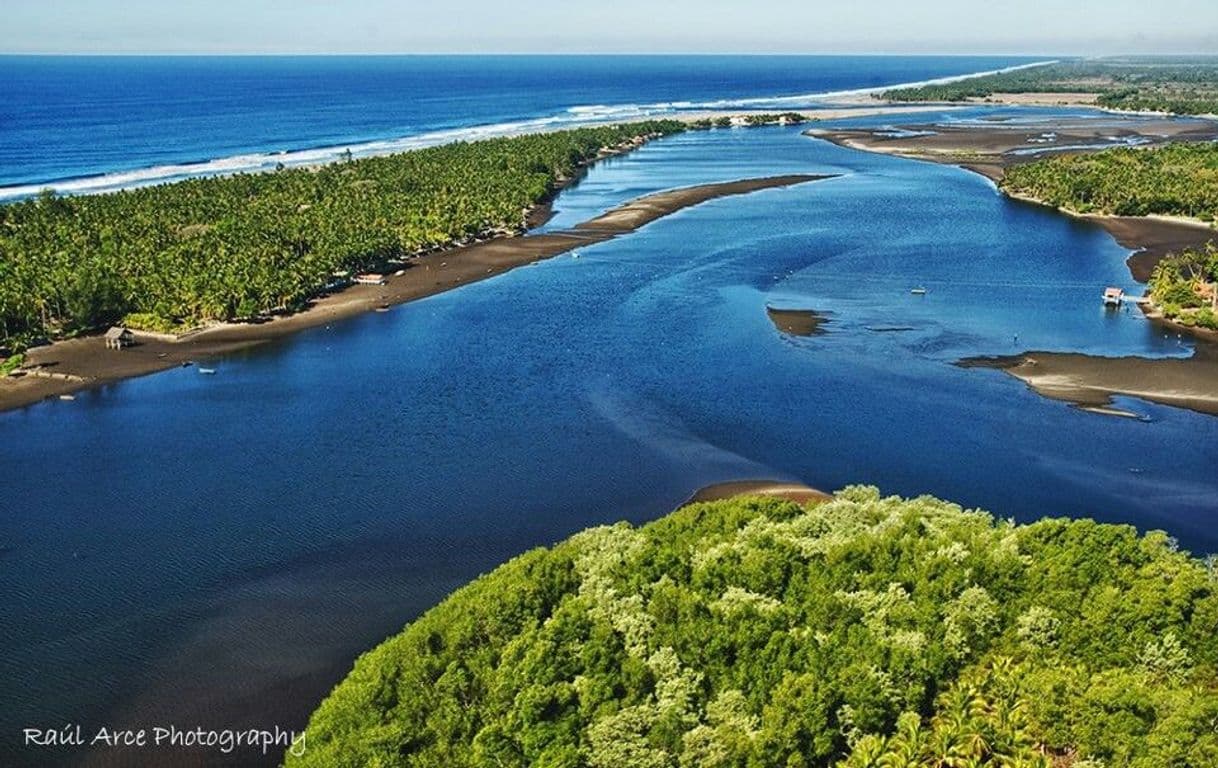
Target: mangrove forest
[862,632]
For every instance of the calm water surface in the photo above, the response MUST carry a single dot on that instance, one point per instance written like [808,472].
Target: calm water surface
[214,551]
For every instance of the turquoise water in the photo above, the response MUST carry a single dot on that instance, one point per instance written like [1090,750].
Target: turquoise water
[217,549]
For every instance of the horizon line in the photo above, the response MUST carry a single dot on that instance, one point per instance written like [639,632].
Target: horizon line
[387,54]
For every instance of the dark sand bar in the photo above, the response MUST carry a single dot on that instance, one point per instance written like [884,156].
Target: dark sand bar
[797,322]
[1090,382]
[76,364]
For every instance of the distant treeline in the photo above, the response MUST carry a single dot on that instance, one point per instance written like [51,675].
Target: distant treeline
[240,246]
[865,632]
[1187,87]
[1177,180]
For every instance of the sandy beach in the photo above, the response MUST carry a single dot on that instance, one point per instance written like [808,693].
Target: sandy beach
[72,365]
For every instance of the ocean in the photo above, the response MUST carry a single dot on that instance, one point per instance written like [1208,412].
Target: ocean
[214,551]
[94,123]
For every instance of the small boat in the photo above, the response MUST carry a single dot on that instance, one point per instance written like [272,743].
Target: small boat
[1113,297]
[68,398]
[918,291]
[382,308]
[208,371]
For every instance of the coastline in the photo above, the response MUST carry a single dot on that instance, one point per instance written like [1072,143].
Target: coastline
[72,365]
[1150,237]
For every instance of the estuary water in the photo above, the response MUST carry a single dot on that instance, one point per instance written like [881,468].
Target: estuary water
[215,550]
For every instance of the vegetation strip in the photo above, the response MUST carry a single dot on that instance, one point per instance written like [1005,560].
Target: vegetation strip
[1172,180]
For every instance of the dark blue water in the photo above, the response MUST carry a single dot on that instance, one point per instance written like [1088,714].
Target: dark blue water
[143,119]
[215,550]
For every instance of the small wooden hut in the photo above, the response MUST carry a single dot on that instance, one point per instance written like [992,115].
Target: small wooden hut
[119,337]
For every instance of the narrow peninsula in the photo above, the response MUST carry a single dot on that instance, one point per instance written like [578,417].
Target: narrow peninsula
[210,265]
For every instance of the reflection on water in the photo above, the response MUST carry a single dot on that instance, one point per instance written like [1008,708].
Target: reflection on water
[216,550]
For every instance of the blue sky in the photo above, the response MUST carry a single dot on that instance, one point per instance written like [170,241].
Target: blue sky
[610,26]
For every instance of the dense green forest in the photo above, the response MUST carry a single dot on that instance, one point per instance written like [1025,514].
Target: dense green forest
[864,632]
[1177,179]
[1180,86]
[239,246]
[1185,287]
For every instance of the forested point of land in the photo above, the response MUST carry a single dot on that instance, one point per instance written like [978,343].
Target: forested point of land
[1173,180]
[1184,286]
[863,632]
[212,249]
[1174,85]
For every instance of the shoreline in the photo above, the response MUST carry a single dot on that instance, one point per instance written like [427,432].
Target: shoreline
[1150,237]
[72,365]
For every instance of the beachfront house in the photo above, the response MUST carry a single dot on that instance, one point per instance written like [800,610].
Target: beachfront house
[119,337]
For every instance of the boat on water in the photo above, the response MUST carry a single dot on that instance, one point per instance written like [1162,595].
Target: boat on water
[208,371]
[918,291]
[67,398]
[1113,297]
